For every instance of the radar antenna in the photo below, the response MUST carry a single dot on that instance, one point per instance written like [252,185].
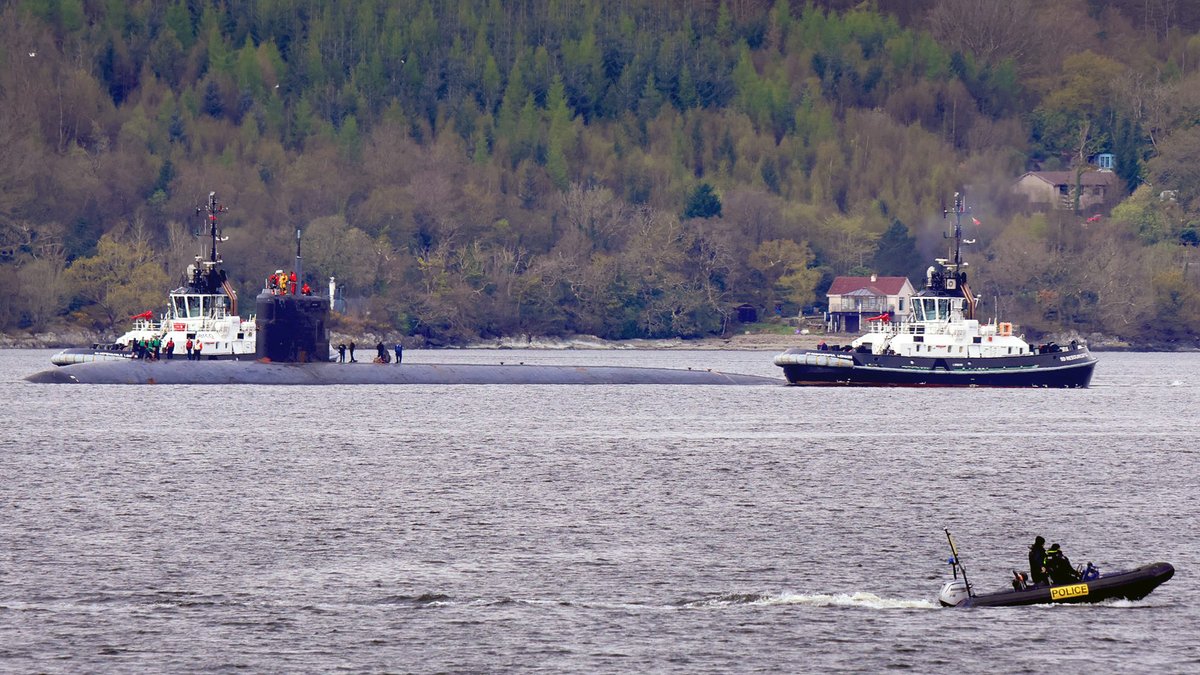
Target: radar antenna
[205,277]
[212,209]
[955,278]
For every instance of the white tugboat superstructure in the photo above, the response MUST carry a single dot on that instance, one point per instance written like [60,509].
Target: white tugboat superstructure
[204,310]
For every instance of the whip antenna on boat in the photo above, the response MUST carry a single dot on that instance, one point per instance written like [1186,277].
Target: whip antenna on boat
[955,563]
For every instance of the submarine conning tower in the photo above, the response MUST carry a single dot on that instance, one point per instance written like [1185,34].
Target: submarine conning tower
[291,323]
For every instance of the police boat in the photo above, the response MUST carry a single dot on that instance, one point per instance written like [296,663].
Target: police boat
[940,342]
[1092,586]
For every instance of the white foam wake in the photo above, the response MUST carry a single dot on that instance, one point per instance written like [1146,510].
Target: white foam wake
[860,599]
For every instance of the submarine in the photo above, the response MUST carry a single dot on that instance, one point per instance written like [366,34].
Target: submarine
[275,373]
[292,348]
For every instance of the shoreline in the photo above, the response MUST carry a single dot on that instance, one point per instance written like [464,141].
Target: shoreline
[752,342]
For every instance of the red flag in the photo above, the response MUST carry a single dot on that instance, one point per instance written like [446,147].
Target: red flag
[975,220]
[144,315]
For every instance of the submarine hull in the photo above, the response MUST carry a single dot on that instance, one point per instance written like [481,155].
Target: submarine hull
[269,373]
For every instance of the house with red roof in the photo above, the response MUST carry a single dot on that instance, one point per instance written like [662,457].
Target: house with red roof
[853,300]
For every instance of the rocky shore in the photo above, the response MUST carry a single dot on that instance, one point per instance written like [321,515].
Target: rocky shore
[756,341]
[51,339]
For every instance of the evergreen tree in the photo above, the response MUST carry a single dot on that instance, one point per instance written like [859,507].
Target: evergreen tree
[1126,160]
[214,106]
[896,253]
[559,135]
[703,203]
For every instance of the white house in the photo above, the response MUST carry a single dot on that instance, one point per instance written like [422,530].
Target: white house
[852,300]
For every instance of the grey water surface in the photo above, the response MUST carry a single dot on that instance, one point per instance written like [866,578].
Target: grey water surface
[605,528]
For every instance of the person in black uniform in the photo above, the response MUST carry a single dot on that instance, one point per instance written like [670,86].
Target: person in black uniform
[1058,566]
[1037,561]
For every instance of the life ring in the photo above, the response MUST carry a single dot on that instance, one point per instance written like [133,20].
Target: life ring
[1004,329]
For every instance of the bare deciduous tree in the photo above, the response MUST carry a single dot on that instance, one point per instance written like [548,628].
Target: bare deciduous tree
[991,31]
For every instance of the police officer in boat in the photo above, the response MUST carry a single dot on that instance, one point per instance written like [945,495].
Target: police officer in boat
[1058,566]
[1037,561]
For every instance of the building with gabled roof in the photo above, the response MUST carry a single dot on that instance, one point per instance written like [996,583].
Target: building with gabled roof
[1051,190]
[853,300]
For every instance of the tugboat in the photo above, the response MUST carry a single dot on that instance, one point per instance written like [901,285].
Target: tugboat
[940,343]
[1091,586]
[204,311]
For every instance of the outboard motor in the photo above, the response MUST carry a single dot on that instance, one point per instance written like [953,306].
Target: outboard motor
[953,593]
[957,591]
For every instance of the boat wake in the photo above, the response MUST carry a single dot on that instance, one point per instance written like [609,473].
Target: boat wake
[715,601]
[861,599]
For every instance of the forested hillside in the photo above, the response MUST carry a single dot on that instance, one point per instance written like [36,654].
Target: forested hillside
[623,168]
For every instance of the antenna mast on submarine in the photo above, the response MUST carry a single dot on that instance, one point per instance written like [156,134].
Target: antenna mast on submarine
[298,266]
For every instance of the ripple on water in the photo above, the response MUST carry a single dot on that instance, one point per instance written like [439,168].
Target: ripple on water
[484,528]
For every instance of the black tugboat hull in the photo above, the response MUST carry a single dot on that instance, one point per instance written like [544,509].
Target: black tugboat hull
[1130,585]
[1067,369]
